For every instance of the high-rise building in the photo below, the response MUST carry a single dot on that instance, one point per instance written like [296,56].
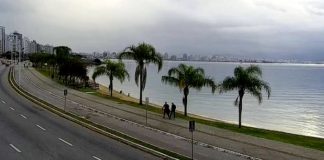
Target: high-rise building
[33,47]
[48,49]
[26,45]
[166,56]
[16,43]
[2,40]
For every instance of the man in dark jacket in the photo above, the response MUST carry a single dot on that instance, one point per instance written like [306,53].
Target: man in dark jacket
[173,109]
[166,110]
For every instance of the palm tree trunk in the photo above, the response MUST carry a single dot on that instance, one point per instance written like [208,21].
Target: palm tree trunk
[185,99]
[111,85]
[240,111]
[141,85]
[241,94]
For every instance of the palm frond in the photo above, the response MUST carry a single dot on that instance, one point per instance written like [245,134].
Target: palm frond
[239,71]
[200,70]
[211,83]
[236,102]
[137,74]
[254,69]
[229,83]
[144,78]
[99,71]
[256,92]
[170,80]
[173,71]
[267,88]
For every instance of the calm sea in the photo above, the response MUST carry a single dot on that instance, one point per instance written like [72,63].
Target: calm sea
[296,104]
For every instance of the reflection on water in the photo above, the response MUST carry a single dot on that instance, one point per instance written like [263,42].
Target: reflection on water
[296,104]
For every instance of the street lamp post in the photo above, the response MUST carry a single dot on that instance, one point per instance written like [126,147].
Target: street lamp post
[65,94]
[146,105]
[192,129]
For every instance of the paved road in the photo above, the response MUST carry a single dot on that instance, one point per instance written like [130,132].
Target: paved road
[29,132]
[129,120]
[77,100]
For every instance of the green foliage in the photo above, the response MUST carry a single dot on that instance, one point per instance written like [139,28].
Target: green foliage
[111,69]
[143,54]
[67,67]
[246,80]
[186,77]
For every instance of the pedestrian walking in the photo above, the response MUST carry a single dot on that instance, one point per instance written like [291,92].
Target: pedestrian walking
[166,110]
[173,109]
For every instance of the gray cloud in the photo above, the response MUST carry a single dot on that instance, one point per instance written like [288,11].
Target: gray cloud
[315,7]
[240,27]
[269,5]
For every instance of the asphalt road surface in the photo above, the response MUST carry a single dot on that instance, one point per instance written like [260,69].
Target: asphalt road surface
[29,132]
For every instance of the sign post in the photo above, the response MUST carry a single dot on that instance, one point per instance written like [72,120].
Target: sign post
[192,129]
[65,94]
[146,105]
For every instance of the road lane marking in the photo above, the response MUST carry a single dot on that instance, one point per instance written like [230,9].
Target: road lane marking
[3,102]
[41,127]
[15,148]
[12,108]
[23,116]
[65,142]
[96,158]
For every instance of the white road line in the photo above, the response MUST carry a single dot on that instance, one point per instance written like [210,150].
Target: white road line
[15,148]
[3,102]
[23,116]
[41,127]
[96,158]
[12,108]
[65,142]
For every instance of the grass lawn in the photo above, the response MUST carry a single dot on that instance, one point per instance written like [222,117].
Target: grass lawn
[305,141]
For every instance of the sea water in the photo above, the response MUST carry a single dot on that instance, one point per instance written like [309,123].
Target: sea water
[296,104]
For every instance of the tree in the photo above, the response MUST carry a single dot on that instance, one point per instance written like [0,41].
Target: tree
[143,54]
[111,69]
[246,80]
[186,77]
[61,55]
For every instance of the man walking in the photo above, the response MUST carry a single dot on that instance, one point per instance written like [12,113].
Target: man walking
[173,109]
[166,110]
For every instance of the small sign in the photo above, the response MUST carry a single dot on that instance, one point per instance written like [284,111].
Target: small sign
[191,126]
[146,100]
[65,92]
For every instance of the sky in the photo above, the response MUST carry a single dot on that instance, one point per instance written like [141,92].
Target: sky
[291,29]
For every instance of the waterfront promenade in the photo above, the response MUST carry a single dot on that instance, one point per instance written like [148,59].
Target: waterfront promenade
[212,143]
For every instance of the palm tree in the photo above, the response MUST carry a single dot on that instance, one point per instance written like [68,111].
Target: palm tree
[186,77]
[111,69]
[143,54]
[246,79]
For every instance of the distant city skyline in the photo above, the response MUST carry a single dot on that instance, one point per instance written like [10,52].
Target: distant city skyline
[15,42]
[285,29]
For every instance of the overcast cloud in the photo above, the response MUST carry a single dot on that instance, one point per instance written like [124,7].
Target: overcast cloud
[259,28]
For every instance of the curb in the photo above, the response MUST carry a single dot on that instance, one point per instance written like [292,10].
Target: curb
[106,131]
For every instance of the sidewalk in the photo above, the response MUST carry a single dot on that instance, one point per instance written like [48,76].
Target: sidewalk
[170,134]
